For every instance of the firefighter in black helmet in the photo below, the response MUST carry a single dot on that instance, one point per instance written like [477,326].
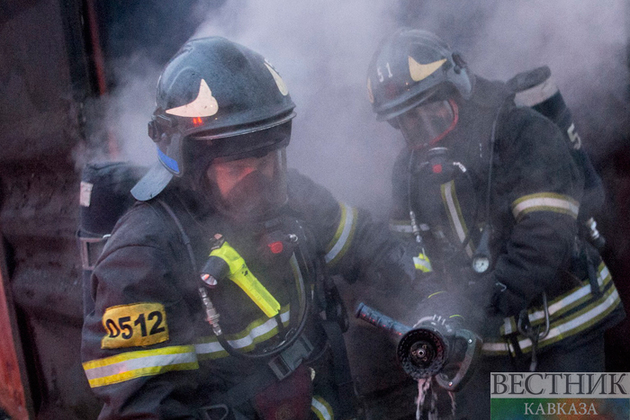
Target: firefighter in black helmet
[491,191]
[208,298]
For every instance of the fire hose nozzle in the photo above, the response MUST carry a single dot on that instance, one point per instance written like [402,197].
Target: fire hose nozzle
[431,349]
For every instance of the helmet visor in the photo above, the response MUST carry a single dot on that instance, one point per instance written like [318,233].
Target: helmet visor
[251,188]
[236,147]
[428,123]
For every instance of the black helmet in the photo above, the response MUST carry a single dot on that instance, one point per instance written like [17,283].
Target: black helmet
[411,66]
[216,92]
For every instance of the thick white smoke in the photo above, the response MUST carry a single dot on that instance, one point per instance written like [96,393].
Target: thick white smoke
[583,42]
[322,50]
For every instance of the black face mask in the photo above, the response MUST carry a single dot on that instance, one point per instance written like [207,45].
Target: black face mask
[255,198]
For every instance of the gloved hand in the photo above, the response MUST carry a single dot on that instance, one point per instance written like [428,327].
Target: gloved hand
[481,291]
[496,298]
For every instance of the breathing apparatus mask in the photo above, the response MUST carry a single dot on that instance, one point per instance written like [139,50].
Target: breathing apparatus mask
[249,189]
[428,123]
[244,177]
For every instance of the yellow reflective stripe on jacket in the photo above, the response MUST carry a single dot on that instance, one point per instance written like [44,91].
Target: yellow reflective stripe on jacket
[565,325]
[573,325]
[256,332]
[135,364]
[545,202]
[455,216]
[562,303]
[340,242]
[422,263]
[321,408]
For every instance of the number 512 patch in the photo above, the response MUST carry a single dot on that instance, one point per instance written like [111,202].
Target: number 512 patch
[138,324]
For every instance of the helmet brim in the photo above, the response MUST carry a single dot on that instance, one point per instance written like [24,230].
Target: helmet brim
[153,183]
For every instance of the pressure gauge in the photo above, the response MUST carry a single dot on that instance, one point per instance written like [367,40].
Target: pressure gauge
[480,264]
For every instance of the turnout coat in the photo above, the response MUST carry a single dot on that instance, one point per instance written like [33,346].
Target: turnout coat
[521,185]
[148,350]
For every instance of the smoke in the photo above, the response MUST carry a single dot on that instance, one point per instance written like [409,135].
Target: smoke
[322,50]
[584,44]
[131,107]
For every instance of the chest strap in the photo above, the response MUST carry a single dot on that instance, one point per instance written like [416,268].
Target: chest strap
[277,369]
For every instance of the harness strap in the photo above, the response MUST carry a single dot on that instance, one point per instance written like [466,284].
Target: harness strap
[182,232]
[285,363]
[275,370]
[341,364]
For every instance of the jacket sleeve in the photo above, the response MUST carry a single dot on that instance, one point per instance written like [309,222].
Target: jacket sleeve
[354,246]
[537,179]
[137,342]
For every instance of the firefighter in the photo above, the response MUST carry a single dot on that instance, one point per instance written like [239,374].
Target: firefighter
[491,192]
[213,298]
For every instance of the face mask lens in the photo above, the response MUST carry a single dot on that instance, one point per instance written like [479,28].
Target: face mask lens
[428,123]
[251,187]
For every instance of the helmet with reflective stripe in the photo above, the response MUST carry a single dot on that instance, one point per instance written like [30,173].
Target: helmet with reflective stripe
[409,67]
[217,92]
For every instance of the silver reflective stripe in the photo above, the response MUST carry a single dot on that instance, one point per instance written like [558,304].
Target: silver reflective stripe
[140,363]
[566,329]
[560,304]
[545,202]
[508,325]
[454,214]
[130,365]
[321,408]
[495,347]
[537,94]
[208,348]
[253,337]
[342,237]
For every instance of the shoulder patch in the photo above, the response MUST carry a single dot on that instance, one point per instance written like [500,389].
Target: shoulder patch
[134,325]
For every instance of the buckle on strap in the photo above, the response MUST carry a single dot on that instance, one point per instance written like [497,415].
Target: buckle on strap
[286,362]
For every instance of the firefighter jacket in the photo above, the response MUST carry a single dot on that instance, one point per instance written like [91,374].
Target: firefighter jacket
[148,350]
[529,208]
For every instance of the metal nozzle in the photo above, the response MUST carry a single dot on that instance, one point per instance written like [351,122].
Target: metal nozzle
[423,352]
[431,348]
